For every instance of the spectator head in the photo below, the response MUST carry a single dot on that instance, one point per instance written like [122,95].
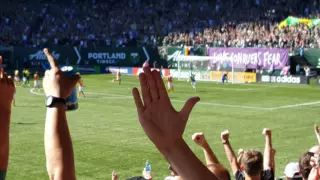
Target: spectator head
[220,171]
[251,162]
[292,172]
[315,149]
[304,164]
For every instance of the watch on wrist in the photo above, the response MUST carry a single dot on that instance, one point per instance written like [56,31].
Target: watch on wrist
[51,101]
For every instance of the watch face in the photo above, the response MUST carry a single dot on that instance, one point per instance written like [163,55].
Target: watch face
[49,100]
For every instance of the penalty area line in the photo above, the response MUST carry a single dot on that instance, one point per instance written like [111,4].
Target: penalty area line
[295,105]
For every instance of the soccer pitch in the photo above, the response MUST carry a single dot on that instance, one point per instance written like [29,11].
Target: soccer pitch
[107,136]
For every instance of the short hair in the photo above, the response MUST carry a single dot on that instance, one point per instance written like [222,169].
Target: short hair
[220,171]
[304,164]
[252,162]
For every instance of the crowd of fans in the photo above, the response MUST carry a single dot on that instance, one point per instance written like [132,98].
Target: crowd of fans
[227,23]
[163,125]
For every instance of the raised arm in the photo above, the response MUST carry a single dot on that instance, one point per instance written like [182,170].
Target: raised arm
[316,131]
[164,126]
[58,144]
[229,152]
[7,89]
[267,156]
[200,139]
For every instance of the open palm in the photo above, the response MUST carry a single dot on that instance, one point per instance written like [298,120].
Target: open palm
[160,121]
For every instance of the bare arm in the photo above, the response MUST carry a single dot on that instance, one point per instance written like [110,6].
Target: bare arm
[267,157]
[229,152]
[58,145]
[6,96]
[200,140]
[4,137]
[165,126]
[316,131]
[231,157]
[209,155]
[186,163]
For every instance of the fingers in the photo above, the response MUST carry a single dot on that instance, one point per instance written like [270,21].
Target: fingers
[145,89]
[53,63]
[2,79]
[151,83]
[188,106]
[137,100]
[47,74]
[163,94]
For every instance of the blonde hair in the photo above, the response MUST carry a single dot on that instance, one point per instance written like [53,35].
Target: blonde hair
[252,162]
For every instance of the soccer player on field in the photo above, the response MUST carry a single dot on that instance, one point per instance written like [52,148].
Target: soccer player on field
[80,84]
[193,81]
[36,83]
[118,77]
[24,77]
[16,78]
[170,83]
[224,78]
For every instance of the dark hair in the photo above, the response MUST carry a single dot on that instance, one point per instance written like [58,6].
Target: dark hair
[304,164]
[252,161]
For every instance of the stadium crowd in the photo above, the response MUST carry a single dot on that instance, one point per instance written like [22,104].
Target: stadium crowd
[230,23]
[163,125]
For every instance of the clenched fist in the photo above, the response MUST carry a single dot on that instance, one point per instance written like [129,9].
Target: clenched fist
[199,139]
[266,132]
[225,136]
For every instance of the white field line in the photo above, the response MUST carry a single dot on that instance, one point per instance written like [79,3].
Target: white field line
[118,96]
[219,88]
[295,105]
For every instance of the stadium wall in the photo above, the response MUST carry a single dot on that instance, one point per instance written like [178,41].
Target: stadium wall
[85,59]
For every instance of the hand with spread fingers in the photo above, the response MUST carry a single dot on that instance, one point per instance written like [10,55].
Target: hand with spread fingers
[165,126]
[160,121]
[7,89]
[55,82]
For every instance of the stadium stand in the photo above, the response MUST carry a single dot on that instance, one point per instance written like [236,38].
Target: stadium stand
[137,22]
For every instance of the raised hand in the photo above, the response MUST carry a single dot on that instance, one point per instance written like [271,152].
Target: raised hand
[266,132]
[55,82]
[225,136]
[199,139]
[114,176]
[160,121]
[7,89]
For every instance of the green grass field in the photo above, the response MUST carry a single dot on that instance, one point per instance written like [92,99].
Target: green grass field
[107,135]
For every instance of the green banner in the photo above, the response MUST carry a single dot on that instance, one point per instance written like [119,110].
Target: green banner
[313,56]
[35,60]
[118,56]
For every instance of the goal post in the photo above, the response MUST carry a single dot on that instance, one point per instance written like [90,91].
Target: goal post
[205,68]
